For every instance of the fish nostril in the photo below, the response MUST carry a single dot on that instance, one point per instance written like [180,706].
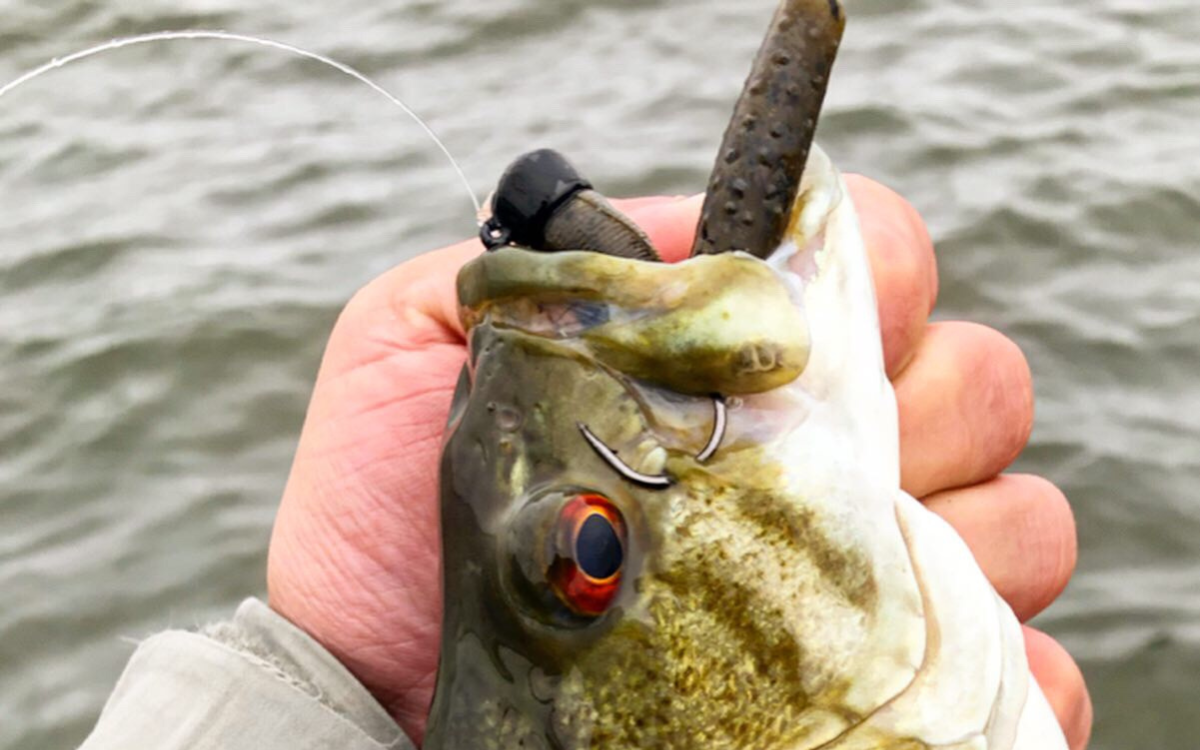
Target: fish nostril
[508,419]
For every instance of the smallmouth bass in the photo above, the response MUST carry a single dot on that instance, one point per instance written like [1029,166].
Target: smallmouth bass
[671,502]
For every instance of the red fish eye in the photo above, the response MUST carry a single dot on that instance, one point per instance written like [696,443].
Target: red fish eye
[586,571]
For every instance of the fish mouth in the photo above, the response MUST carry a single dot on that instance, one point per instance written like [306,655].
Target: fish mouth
[713,325]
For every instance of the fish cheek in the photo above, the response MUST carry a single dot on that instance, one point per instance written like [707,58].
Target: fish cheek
[717,656]
[692,653]
[707,664]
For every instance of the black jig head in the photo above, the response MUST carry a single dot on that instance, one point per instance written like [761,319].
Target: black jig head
[543,204]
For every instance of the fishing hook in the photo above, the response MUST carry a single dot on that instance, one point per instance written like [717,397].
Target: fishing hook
[718,433]
[612,459]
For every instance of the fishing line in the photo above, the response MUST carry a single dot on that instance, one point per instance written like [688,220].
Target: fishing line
[163,36]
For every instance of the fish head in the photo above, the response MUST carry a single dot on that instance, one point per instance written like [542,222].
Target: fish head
[670,493]
[658,597]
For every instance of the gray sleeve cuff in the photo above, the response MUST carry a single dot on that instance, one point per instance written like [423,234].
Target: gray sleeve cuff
[254,682]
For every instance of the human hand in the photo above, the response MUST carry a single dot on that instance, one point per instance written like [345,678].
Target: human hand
[354,556]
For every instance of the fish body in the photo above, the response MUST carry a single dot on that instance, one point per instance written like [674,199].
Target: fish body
[671,503]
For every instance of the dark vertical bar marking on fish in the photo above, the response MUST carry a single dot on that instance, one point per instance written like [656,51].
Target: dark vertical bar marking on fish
[762,157]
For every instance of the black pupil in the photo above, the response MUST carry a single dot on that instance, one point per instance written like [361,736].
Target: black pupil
[597,549]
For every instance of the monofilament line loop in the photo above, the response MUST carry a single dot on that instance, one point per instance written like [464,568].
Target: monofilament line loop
[160,36]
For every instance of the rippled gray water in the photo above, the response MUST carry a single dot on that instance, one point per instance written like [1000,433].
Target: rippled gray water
[180,224]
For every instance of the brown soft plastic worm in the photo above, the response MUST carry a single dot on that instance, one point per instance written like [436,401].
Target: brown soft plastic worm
[757,174]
